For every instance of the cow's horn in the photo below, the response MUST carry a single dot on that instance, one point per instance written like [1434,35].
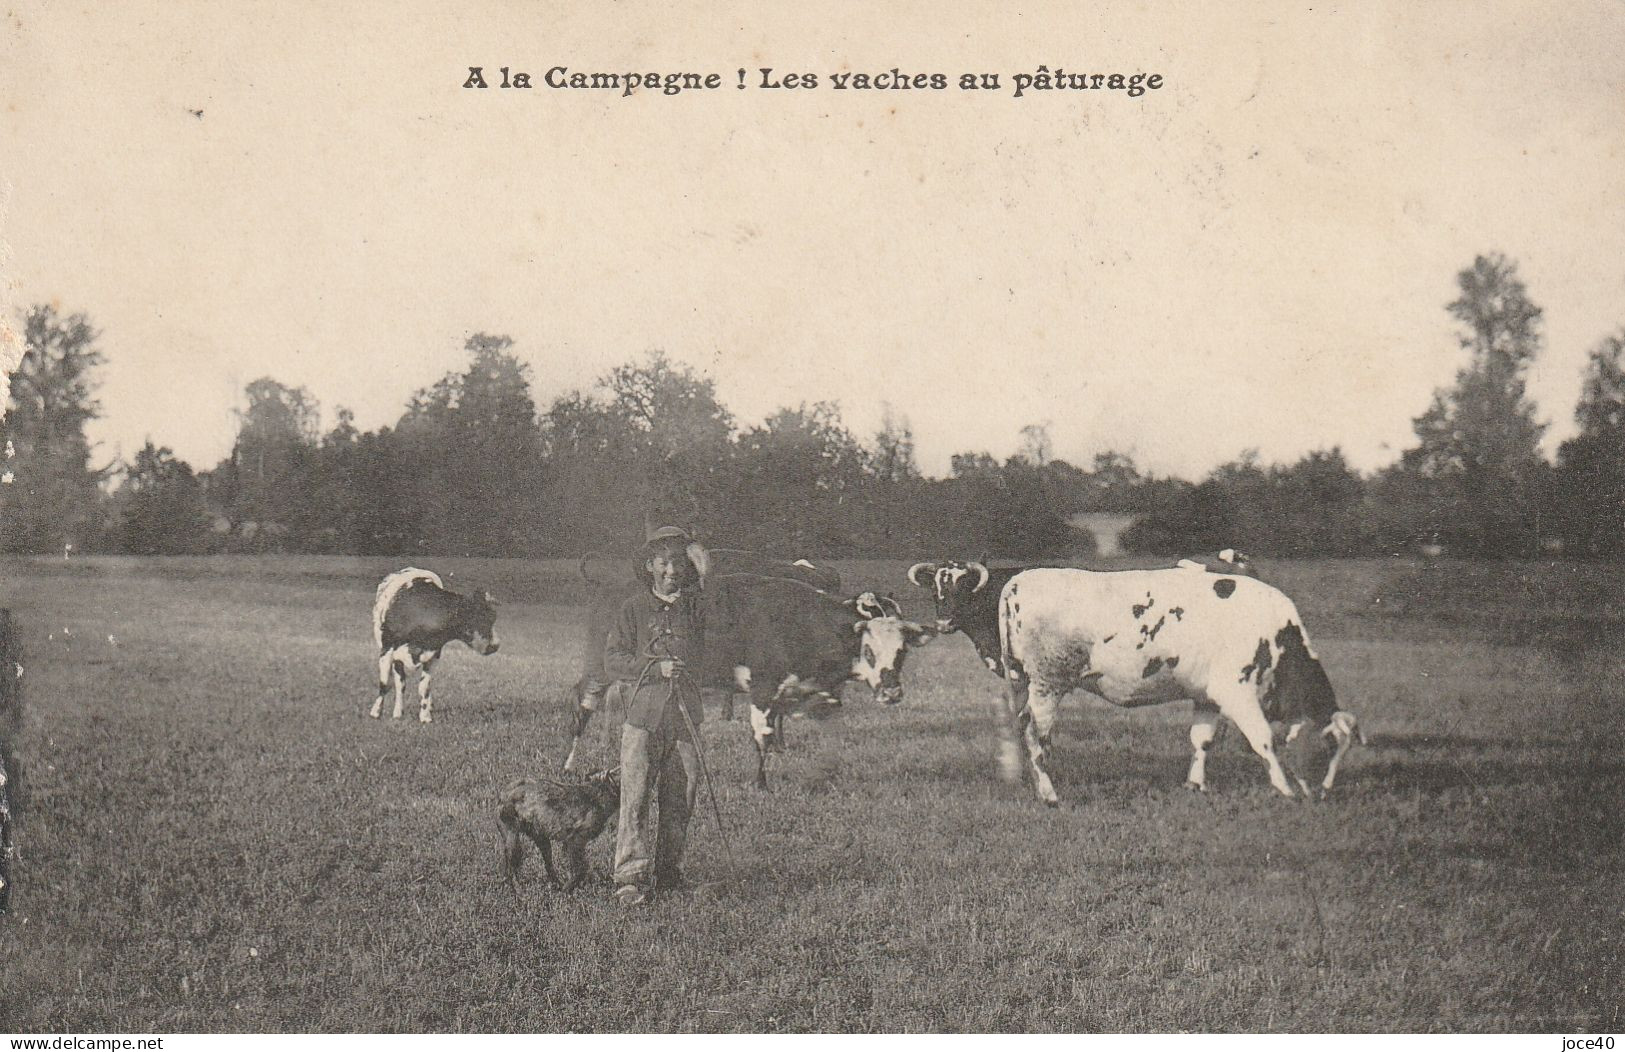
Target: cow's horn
[915,570]
[1344,725]
[981,575]
[701,560]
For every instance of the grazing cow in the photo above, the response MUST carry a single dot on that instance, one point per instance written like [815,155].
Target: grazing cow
[413,618]
[1140,637]
[967,595]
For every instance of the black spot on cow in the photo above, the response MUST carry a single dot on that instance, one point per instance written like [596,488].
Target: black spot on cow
[1152,667]
[1139,609]
[1260,663]
[1109,638]
[1178,612]
[1149,634]
[1014,588]
[1173,662]
[1223,587]
[1301,688]
[1015,607]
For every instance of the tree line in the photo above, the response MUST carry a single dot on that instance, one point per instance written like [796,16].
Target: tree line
[473,466]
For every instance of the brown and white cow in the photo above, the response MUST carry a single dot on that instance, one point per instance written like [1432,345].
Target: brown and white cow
[414,616]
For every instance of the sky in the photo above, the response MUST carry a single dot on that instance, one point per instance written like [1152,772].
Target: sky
[1258,254]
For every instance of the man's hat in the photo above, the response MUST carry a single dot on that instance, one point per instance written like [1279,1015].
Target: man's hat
[667,533]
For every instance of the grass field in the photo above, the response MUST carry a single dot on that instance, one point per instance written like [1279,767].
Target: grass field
[213,837]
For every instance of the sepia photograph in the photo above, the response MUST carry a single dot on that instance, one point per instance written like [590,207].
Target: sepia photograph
[925,518]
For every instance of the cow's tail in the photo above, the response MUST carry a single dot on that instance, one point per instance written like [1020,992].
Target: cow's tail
[388,589]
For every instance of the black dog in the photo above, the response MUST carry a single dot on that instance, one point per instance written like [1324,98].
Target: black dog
[565,808]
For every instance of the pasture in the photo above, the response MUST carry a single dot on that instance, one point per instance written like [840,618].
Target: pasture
[213,836]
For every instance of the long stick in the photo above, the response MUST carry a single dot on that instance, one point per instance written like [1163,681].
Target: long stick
[710,787]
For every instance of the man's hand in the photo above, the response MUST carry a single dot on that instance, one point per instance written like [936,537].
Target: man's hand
[671,667]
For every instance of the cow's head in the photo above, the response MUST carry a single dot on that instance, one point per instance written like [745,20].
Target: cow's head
[480,622]
[1319,734]
[883,643]
[870,605]
[952,585]
[1313,758]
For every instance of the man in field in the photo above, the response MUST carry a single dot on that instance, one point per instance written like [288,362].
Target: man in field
[657,638]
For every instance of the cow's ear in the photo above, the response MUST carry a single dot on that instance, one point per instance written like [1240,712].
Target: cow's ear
[858,626]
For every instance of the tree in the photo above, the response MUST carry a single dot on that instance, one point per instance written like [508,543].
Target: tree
[269,478]
[161,510]
[474,437]
[51,497]
[651,440]
[1036,446]
[972,464]
[893,460]
[1478,442]
[1314,510]
[1113,483]
[1591,465]
[801,478]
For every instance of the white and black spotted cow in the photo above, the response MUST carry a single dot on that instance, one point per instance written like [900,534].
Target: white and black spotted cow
[414,616]
[967,595]
[1234,645]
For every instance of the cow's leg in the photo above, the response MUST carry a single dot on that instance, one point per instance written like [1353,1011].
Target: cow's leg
[386,673]
[582,718]
[588,695]
[425,699]
[1204,730]
[741,685]
[1242,709]
[761,729]
[398,667]
[1343,729]
[1007,703]
[1037,721]
[779,742]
